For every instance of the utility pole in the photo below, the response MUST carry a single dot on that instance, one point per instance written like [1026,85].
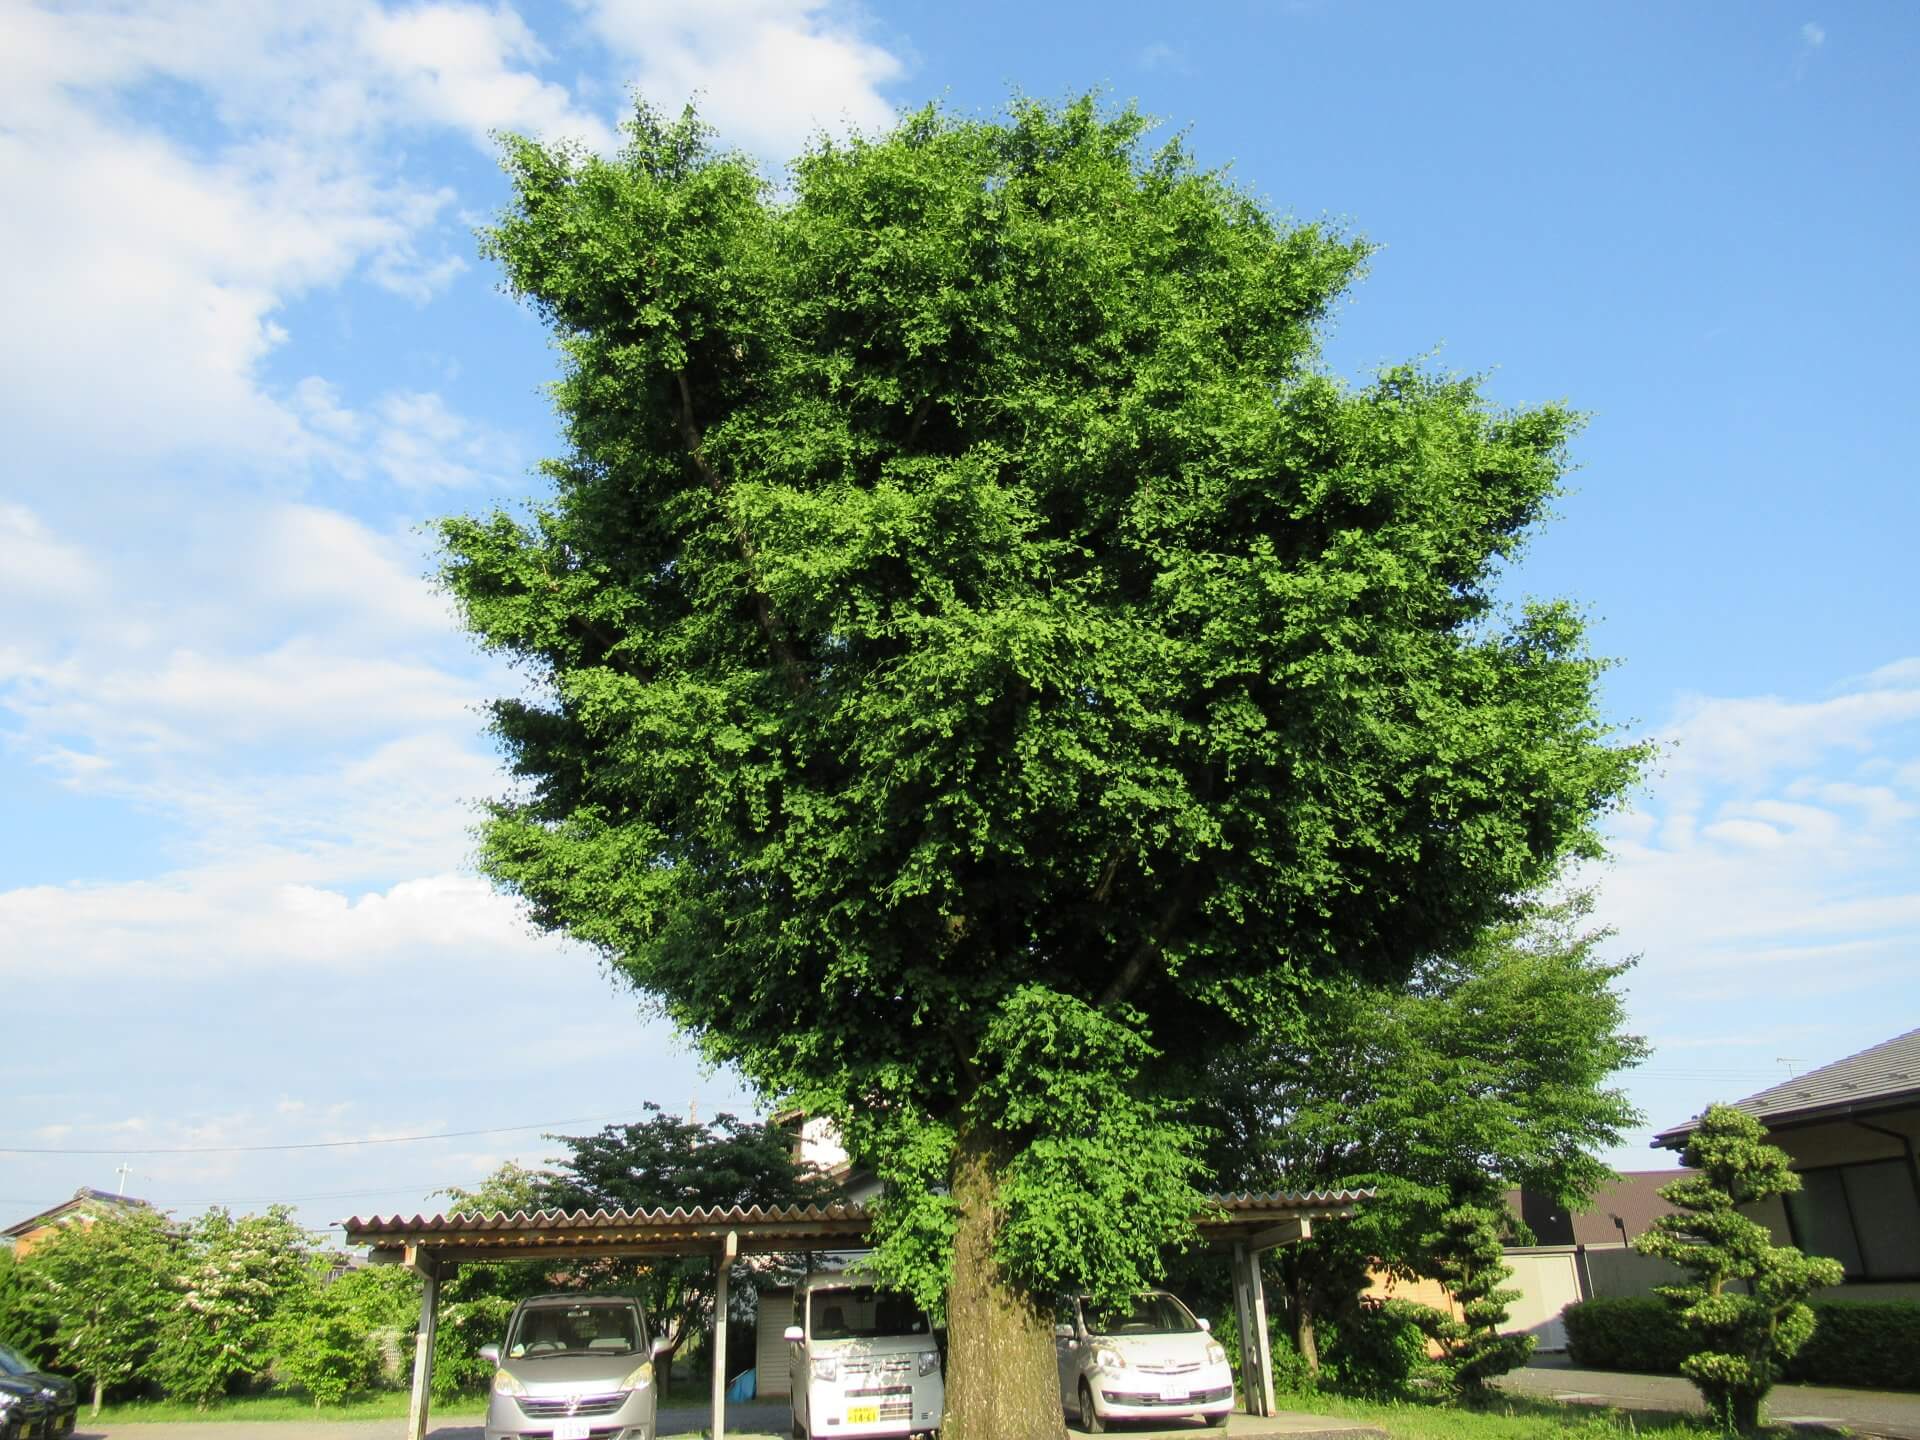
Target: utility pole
[125,1170]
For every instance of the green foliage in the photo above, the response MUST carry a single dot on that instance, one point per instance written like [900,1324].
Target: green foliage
[1376,1349]
[229,1277]
[1875,1344]
[1739,1342]
[108,1290]
[966,607]
[1638,1333]
[321,1341]
[1489,1067]
[26,1323]
[1464,1254]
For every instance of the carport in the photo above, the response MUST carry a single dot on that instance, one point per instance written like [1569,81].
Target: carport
[1244,1226]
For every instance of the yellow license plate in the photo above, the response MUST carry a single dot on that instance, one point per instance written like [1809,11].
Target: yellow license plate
[863,1414]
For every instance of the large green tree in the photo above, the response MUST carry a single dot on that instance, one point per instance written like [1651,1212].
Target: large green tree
[1488,1068]
[977,656]
[108,1288]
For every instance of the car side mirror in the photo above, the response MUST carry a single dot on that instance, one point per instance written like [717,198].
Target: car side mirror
[1206,1325]
[794,1334]
[661,1345]
[491,1354]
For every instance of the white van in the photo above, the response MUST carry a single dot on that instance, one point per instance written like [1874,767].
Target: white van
[862,1360]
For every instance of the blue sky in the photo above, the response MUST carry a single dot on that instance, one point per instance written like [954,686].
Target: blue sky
[249,349]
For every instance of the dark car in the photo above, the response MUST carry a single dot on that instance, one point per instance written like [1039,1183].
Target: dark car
[56,1390]
[23,1414]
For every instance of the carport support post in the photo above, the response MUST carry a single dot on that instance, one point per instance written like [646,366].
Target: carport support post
[722,1267]
[1263,1347]
[1250,1367]
[422,1262]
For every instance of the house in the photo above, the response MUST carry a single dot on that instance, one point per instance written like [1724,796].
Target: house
[86,1206]
[1851,1130]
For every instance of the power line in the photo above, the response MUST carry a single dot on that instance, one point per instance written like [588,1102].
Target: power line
[302,1145]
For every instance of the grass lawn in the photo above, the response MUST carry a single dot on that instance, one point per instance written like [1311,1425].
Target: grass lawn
[1505,1417]
[384,1405]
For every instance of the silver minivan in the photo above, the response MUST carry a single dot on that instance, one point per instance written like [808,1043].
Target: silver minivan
[1146,1360]
[575,1367]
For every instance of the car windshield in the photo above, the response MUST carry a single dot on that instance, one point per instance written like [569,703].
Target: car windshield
[586,1327]
[1147,1315]
[12,1362]
[862,1313]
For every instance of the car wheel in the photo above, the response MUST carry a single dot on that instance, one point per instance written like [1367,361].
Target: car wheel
[1090,1420]
[1217,1422]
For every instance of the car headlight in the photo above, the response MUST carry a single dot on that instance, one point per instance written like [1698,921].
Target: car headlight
[929,1361]
[505,1384]
[1216,1353]
[640,1378]
[826,1368]
[1107,1358]
[8,1399]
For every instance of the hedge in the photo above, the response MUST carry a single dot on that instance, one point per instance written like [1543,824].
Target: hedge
[1855,1342]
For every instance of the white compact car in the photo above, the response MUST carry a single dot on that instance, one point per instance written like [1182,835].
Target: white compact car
[1146,1361]
[863,1362]
[575,1367]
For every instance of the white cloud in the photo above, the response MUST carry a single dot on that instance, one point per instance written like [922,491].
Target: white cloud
[35,566]
[766,73]
[454,64]
[1813,35]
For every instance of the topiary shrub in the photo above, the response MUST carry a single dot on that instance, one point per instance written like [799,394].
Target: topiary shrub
[1375,1350]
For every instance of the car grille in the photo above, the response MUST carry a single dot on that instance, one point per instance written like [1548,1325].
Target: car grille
[564,1407]
[1171,1367]
[895,1402]
[877,1367]
[1198,1397]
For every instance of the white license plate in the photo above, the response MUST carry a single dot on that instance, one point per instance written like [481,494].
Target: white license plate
[571,1430]
[1173,1392]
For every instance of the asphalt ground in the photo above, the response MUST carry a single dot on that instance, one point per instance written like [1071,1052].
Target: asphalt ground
[750,1421]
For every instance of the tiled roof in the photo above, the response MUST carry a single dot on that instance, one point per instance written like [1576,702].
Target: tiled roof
[84,1196]
[758,1227]
[1875,1079]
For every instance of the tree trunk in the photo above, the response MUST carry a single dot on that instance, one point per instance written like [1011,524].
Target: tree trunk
[1002,1379]
[98,1388]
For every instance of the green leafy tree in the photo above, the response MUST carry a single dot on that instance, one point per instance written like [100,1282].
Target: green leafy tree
[26,1323]
[476,1300]
[1741,1341]
[973,647]
[1464,1254]
[664,1162]
[322,1342]
[1489,1066]
[230,1276]
[108,1288]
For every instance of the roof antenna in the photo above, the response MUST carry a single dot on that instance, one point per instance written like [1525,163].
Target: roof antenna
[1792,1062]
[124,1171]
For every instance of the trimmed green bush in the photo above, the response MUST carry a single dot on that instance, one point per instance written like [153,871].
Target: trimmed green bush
[1643,1333]
[1871,1344]
[1874,1344]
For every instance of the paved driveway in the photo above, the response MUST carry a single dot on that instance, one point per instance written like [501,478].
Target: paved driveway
[1871,1412]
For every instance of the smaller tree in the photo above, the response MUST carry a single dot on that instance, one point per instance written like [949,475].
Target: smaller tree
[1742,1341]
[1464,1255]
[321,1341]
[26,1322]
[107,1289]
[232,1276]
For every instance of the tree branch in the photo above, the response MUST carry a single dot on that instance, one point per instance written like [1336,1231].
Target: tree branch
[1149,948]
[770,624]
[920,414]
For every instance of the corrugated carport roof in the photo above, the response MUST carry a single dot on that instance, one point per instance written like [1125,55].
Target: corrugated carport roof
[1239,1219]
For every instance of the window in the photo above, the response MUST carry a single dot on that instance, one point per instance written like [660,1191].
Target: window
[1865,1216]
